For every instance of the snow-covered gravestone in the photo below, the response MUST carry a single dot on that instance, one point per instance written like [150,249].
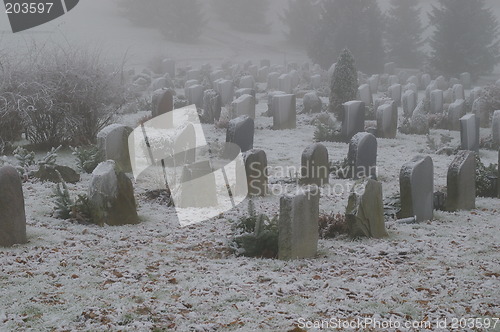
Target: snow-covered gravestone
[362,156]
[412,87]
[373,83]
[456,111]
[262,74]
[416,182]
[198,186]
[217,75]
[419,121]
[212,106]
[255,177]
[365,95]
[387,120]
[315,165]
[354,119]
[461,182]
[312,103]
[247,82]
[12,213]
[298,227]
[193,74]
[409,103]
[111,196]
[240,92]
[425,80]
[162,102]
[240,132]
[270,97]
[285,83]
[112,144]
[469,132]
[458,92]
[413,80]
[466,80]
[390,68]
[194,95]
[284,111]
[495,128]
[395,92]
[244,105]
[316,82]
[480,108]
[168,66]
[273,81]
[437,101]
[441,83]
[226,90]
[365,210]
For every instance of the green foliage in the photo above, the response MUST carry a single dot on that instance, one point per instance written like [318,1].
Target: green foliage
[343,84]
[243,15]
[404,33]
[87,159]
[484,183]
[67,208]
[24,157]
[50,158]
[354,24]
[298,17]
[327,133]
[465,37]
[256,235]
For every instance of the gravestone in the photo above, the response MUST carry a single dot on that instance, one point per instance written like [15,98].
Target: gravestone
[240,92]
[469,132]
[247,82]
[12,212]
[193,74]
[431,87]
[362,156]
[395,92]
[254,71]
[365,95]
[112,144]
[162,102]
[111,196]
[315,165]
[256,172]
[412,87]
[217,75]
[480,108]
[212,106]
[168,66]
[298,224]
[393,80]
[312,103]
[436,101]
[416,181]
[226,90]
[244,105]
[353,120]
[441,83]
[240,132]
[419,121]
[262,74]
[495,128]
[413,80]
[198,186]
[316,82]
[387,120]
[409,103]
[285,83]
[270,96]
[461,182]
[284,111]
[365,210]
[448,96]
[425,80]
[390,68]
[184,147]
[466,80]
[458,92]
[194,95]
[456,111]
[373,83]
[273,81]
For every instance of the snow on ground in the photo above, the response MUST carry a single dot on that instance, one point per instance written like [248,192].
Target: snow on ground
[157,275]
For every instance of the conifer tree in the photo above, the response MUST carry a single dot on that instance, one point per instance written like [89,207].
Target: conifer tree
[243,15]
[465,37]
[300,17]
[343,84]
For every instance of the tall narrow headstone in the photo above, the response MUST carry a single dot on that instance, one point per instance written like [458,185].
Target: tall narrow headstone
[456,111]
[495,128]
[226,90]
[12,213]
[194,95]
[416,181]
[387,120]
[315,165]
[395,92]
[362,156]
[437,101]
[112,144]
[255,172]
[354,119]
[409,103]
[298,224]
[469,132]
[241,133]
[284,111]
[458,92]
[285,83]
[365,94]
[480,108]
[365,210]
[373,82]
[212,106]
[162,102]
[461,181]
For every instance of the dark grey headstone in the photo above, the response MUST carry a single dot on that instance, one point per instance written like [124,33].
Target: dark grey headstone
[212,106]
[315,165]
[240,132]
[462,182]
[12,213]
[353,120]
[387,120]
[456,111]
[362,156]
[469,132]
[112,143]
[256,172]
[495,128]
[162,102]
[416,181]
[409,103]
[284,111]
[312,103]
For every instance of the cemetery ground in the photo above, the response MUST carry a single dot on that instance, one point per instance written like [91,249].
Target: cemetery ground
[157,275]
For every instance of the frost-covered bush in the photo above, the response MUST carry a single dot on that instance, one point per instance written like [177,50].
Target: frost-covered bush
[57,96]
[87,159]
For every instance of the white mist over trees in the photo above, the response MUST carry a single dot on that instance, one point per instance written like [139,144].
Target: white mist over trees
[243,15]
